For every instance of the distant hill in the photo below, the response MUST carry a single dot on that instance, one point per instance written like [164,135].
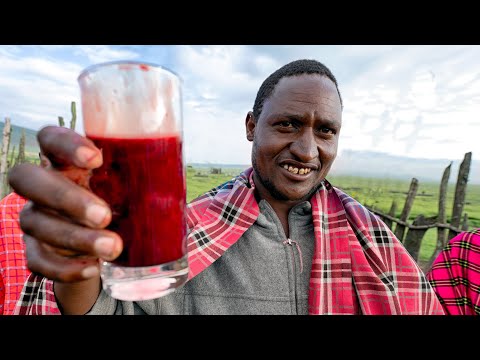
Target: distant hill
[31,145]
[371,164]
[380,165]
[223,166]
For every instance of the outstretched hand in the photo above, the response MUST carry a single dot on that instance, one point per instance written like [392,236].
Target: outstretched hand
[63,221]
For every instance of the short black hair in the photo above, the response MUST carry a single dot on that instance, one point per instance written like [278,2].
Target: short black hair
[297,67]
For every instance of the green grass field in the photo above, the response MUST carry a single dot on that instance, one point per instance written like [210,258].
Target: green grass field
[377,193]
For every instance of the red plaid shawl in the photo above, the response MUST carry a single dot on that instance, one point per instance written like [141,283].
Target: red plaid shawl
[358,262]
[455,274]
[13,265]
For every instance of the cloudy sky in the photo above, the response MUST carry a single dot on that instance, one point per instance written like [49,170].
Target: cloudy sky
[416,101]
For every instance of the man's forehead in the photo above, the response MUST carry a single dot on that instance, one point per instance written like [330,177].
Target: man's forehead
[304,81]
[306,89]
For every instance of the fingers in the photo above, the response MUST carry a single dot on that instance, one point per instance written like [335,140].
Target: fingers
[42,259]
[65,148]
[72,239]
[51,190]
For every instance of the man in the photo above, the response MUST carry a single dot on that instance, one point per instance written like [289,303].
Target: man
[455,274]
[13,264]
[278,239]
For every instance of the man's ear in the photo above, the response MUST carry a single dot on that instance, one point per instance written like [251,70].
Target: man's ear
[250,125]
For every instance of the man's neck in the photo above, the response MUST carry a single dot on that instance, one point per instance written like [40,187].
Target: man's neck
[281,207]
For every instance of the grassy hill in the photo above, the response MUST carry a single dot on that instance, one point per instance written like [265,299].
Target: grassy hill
[31,145]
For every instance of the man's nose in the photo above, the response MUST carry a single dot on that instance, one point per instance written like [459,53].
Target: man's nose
[305,146]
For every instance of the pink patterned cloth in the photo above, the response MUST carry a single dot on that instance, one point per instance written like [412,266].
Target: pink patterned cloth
[13,265]
[455,274]
[359,267]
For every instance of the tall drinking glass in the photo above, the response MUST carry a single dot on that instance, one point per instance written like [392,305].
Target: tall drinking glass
[132,111]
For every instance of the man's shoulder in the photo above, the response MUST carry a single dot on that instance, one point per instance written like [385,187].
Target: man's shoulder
[219,196]
[210,194]
[12,199]
[360,214]
[466,239]
[222,189]
[349,201]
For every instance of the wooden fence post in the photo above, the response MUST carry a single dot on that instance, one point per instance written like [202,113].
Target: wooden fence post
[442,217]
[7,130]
[460,190]
[413,240]
[412,192]
[392,211]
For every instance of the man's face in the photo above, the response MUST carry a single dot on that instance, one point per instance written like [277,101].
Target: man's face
[295,139]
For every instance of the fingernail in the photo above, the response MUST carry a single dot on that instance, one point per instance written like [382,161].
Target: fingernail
[90,272]
[104,247]
[97,213]
[85,154]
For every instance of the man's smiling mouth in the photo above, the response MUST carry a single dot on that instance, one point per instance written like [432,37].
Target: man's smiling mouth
[296,170]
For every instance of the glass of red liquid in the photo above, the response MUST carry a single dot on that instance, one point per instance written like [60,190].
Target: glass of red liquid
[132,112]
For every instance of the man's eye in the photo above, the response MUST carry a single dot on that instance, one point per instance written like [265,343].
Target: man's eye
[286,124]
[327,130]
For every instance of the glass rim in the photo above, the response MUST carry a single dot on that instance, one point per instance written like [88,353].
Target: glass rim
[92,68]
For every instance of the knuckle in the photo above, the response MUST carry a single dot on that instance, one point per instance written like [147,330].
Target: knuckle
[77,238]
[16,174]
[45,133]
[63,196]
[25,218]
[32,262]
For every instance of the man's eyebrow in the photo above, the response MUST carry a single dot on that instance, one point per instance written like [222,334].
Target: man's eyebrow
[297,117]
[330,123]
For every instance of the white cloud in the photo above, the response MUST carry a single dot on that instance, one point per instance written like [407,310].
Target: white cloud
[34,91]
[403,100]
[103,53]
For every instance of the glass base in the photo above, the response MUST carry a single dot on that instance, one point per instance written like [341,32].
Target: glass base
[143,283]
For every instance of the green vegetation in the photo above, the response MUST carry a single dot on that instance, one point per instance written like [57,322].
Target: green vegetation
[200,180]
[31,145]
[377,193]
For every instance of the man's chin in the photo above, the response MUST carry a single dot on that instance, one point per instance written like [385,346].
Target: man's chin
[295,197]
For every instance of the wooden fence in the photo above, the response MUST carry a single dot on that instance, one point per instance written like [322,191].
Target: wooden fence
[411,235]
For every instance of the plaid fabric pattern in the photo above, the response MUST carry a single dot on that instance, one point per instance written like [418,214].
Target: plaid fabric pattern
[37,297]
[455,274]
[13,266]
[358,267]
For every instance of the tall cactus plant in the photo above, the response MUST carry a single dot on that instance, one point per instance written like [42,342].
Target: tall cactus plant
[21,149]
[73,122]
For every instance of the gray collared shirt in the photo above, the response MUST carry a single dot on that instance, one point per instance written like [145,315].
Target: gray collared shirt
[262,273]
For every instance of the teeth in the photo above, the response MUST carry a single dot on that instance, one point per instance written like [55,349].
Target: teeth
[295,170]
